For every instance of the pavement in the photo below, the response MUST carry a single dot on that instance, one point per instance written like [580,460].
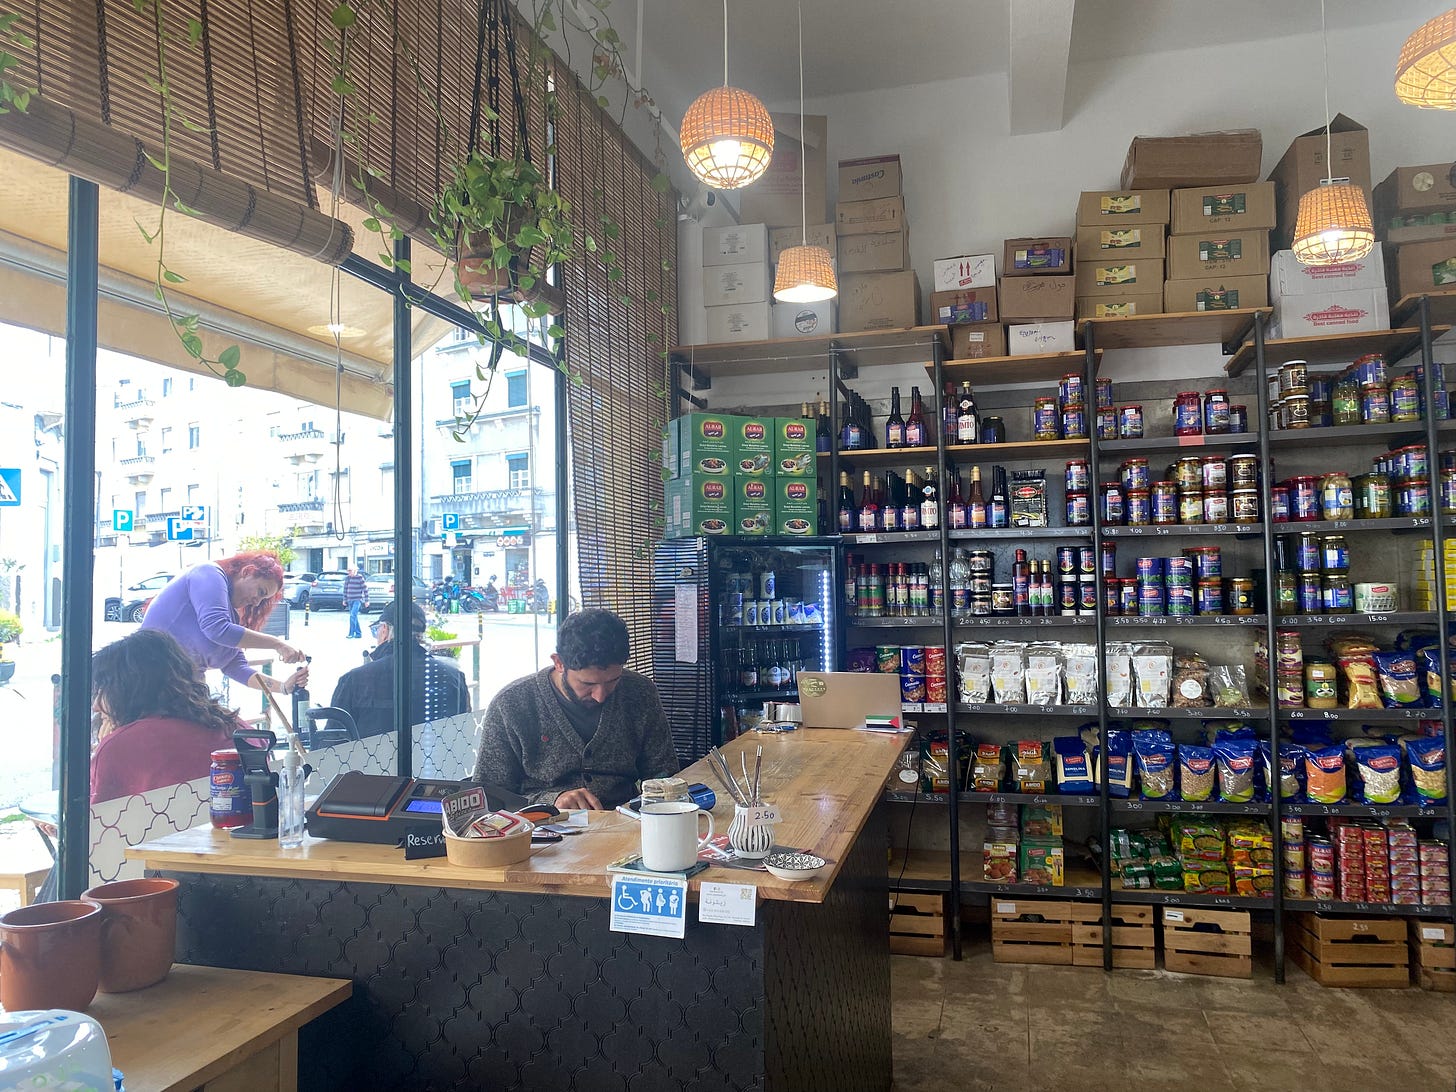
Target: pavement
[512,645]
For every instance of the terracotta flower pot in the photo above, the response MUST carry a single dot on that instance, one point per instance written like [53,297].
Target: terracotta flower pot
[138,932]
[483,279]
[50,956]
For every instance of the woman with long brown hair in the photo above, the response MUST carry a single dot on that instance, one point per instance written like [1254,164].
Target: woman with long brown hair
[159,724]
[218,608]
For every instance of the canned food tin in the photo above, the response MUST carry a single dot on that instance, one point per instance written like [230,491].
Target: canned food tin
[1106,423]
[1375,406]
[1244,505]
[1078,476]
[750,612]
[1149,566]
[1003,599]
[1376,598]
[1071,390]
[1337,595]
[1179,566]
[1296,411]
[780,610]
[1238,419]
[1086,560]
[1136,475]
[1139,508]
[935,659]
[1127,591]
[1188,472]
[1074,422]
[1304,498]
[1216,412]
[1187,414]
[1180,602]
[1311,593]
[1165,502]
[1046,424]
[1130,422]
[1243,471]
[1215,507]
[935,688]
[1190,506]
[1241,595]
[1279,503]
[1405,399]
[1207,561]
[1210,596]
[1294,378]
[912,688]
[1104,394]
[1413,498]
[1213,472]
[1066,560]
[1113,512]
[1334,555]
[733,609]
[1369,370]
[1150,601]
[912,659]
[887,659]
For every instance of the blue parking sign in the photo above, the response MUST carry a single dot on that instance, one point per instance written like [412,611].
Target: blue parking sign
[179,530]
[450,521]
[123,520]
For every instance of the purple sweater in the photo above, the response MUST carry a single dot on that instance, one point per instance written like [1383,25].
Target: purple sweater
[194,609]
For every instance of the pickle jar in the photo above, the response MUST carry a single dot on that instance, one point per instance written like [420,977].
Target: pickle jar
[1337,496]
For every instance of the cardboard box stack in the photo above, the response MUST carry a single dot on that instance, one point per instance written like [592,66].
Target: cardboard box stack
[737,284]
[1218,247]
[877,288]
[1330,299]
[735,475]
[1415,213]
[1120,252]
[964,297]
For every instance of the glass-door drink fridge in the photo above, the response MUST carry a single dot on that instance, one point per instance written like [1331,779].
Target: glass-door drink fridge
[735,621]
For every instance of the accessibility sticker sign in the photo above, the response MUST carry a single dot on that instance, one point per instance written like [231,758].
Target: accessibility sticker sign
[654,905]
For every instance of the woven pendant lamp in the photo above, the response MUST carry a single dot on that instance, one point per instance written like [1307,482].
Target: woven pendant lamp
[1425,75]
[805,273]
[1333,225]
[727,134]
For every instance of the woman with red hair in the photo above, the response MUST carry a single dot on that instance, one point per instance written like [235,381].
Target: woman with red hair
[217,609]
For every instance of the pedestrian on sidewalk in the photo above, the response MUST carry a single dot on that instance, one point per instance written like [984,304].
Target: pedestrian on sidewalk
[356,597]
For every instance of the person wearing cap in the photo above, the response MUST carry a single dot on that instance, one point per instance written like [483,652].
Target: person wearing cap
[583,732]
[437,687]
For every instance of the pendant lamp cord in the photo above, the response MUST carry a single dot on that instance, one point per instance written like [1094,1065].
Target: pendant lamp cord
[803,156]
[725,43]
[1325,44]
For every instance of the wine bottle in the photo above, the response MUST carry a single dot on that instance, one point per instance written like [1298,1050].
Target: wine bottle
[848,513]
[895,425]
[915,434]
[976,506]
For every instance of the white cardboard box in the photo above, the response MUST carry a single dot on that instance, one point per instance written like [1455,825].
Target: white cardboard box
[1288,278]
[966,271]
[737,244]
[803,319]
[1331,313]
[735,284]
[738,322]
[1035,338]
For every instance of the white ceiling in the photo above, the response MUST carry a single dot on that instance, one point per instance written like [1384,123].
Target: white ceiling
[867,45]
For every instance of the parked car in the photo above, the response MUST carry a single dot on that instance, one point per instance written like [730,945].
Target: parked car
[381,590]
[133,605]
[328,591]
[297,587]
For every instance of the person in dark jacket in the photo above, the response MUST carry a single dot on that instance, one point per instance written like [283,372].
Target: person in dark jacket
[437,687]
[583,732]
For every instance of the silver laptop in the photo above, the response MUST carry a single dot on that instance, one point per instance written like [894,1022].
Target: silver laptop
[842,699]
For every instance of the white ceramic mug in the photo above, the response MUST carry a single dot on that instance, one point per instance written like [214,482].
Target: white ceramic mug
[670,839]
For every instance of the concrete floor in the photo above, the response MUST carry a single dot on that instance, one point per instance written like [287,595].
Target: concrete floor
[978,1024]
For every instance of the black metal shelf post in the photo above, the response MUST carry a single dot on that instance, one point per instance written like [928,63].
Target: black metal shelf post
[1089,342]
[951,681]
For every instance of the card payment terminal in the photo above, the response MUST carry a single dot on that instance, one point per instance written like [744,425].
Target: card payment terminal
[360,807]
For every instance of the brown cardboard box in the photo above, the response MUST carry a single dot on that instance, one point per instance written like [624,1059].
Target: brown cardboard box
[1415,189]
[1215,294]
[1030,299]
[1105,242]
[970,305]
[1125,305]
[879,301]
[775,198]
[884,251]
[1198,159]
[1303,165]
[870,217]
[1223,208]
[1037,257]
[781,238]
[975,341]
[1422,267]
[1115,277]
[1102,208]
[1231,254]
[1418,233]
[869,178]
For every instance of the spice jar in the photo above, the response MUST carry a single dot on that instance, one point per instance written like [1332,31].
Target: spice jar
[1320,690]
[1187,414]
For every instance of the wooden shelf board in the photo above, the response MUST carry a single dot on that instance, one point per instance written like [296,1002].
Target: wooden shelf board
[808,353]
[994,371]
[1406,311]
[1178,328]
[1331,348]
[1031,449]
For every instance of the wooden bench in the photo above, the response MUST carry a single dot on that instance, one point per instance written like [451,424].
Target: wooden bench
[214,1029]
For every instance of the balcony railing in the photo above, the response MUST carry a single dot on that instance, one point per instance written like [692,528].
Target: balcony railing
[303,434]
[488,501]
[139,400]
[313,504]
[137,460]
[160,517]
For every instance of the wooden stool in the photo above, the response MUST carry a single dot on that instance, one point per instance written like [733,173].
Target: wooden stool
[25,881]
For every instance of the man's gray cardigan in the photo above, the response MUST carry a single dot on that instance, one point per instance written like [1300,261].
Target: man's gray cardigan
[529,746]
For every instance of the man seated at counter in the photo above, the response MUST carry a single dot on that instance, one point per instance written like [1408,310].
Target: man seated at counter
[583,732]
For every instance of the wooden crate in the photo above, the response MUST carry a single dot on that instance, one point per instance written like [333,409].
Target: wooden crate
[1134,940]
[1433,955]
[1212,942]
[1367,953]
[1031,931]
[917,924]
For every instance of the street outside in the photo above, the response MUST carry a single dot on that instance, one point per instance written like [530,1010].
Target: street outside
[512,645]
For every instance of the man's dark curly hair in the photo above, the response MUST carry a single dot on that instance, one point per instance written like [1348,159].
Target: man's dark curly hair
[592,638]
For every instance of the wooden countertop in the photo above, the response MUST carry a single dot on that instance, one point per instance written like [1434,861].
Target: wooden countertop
[823,781]
[200,1022]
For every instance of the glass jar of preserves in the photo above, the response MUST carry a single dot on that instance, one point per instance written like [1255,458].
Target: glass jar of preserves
[1187,414]
[1046,419]
[230,801]
[1238,419]
[1139,508]
[1215,506]
[1240,596]
[1334,555]
[1375,405]
[1304,498]
[1296,411]
[1190,506]
[1216,412]
[1164,496]
[1113,512]
[1078,475]
[1336,596]
[1448,492]
[1187,472]
[1130,422]
[1307,552]
[1345,402]
[1320,689]
[1244,505]
[1405,399]
[1136,475]
[1243,471]
[1337,496]
[1213,471]
[1286,593]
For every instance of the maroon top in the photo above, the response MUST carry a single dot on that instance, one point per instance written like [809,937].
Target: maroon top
[153,752]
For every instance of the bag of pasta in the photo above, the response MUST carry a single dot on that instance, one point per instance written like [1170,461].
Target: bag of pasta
[1235,753]
[1362,691]
[1427,757]
[1156,764]
[1196,771]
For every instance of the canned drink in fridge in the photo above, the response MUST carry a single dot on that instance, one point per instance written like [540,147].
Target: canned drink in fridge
[733,609]
[935,660]
[748,611]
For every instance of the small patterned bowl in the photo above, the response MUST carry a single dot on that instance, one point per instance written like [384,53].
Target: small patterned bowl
[794,866]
